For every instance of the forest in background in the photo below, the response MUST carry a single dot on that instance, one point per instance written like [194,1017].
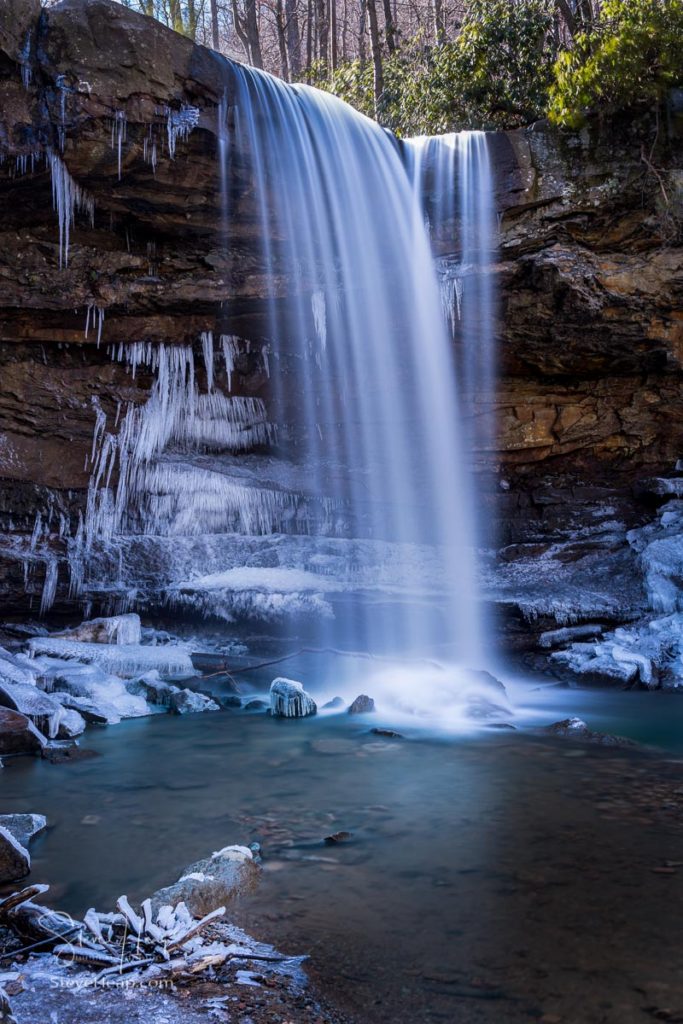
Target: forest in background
[429,66]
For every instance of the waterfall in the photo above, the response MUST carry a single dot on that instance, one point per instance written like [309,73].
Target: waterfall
[342,491]
[371,391]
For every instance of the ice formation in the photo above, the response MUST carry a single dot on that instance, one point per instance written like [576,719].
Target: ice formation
[179,124]
[67,197]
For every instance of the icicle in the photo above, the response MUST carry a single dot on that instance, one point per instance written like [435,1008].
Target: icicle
[231,346]
[25,59]
[49,585]
[96,313]
[179,124]
[67,197]
[207,349]
[319,308]
[118,135]
[266,363]
[37,531]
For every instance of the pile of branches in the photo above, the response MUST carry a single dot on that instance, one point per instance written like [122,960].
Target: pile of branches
[169,945]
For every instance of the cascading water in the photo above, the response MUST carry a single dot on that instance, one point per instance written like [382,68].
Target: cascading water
[363,512]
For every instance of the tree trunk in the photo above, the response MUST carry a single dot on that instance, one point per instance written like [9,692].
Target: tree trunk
[378,71]
[389,27]
[361,33]
[439,25]
[323,29]
[334,51]
[281,39]
[252,33]
[293,40]
[215,41]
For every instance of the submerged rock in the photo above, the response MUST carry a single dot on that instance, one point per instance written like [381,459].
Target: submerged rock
[15,861]
[187,702]
[362,705]
[116,629]
[576,729]
[388,733]
[333,704]
[18,734]
[212,882]
[256,705]
[288,699]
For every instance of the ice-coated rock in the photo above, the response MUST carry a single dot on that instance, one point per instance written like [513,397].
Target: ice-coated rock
[116,629]
[213,882]
[362,705]
[94,712]
[12,669]
[23,826]
[44,711]
[15,861]
[187,702]
[153,689]
[72,724]
[18,734]
[288,699]
[127,660]
[568,727]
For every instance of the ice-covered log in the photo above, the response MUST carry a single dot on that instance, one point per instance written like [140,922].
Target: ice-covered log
[127,660]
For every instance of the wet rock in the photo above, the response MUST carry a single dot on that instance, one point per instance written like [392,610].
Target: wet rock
[288,699]
[576,729]
[43,710]
[256,705]
[362,705]
[15,861]
[213,882]
[153,689]
[116,629]
[23,826]
[24,630]
[187,702]
[231,702]
[66,752]
[333,704]
[568,727]
[338,837]
[18,735]
[389,733]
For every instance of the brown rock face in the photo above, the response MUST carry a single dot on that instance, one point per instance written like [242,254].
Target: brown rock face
[589,268]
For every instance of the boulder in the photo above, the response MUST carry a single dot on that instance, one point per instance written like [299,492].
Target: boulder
[362,705]
[187,702]
[116,629]
[18,734]
[334,704]
[15,862]
[256,705]
[23,826]
[288,699]
[213,882]
[44,711]
[576,729]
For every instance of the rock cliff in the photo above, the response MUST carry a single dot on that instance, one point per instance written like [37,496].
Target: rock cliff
[112,233]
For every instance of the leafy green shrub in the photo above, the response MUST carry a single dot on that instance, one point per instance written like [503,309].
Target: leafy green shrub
[496,74]
[631,57]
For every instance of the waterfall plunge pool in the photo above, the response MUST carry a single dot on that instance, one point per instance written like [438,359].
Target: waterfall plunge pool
[499,876]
